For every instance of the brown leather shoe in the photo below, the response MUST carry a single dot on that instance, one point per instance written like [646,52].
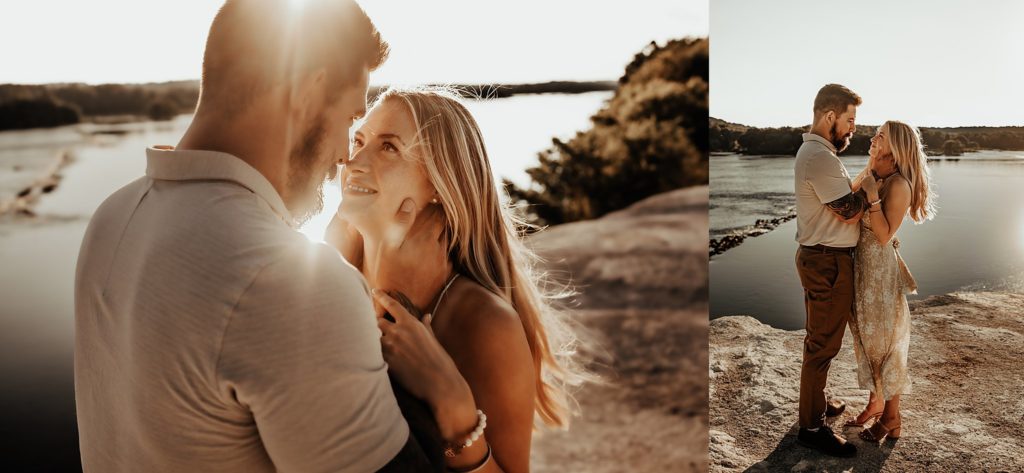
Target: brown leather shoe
[834,407]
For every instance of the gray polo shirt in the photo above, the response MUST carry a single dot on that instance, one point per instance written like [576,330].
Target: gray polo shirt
[820,178]
[211,336]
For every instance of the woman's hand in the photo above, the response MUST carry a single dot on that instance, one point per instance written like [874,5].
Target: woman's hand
[858,182]
[870,187]
[344,237]
[424,368]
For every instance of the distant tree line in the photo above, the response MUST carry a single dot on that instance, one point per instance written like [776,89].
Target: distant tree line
[649,138]
[30,106]
[27,113]
[736,138]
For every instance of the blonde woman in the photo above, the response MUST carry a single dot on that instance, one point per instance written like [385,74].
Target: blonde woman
[486,356]
[896,183]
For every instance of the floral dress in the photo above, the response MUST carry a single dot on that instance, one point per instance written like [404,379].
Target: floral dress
[881,319]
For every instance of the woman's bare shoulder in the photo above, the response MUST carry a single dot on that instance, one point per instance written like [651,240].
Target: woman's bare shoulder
[478,312]
[899,187]
[899,181]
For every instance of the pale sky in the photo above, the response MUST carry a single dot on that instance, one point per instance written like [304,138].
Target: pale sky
[457,41]
[929,63]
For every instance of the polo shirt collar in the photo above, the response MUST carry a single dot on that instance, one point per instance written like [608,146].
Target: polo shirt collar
[819,139]
[167,163]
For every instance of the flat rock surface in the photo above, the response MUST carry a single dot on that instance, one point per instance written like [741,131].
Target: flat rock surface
[641,274]
[965,411]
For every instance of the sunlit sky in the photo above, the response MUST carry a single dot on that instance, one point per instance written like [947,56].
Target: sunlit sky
[456,41]
[948,63]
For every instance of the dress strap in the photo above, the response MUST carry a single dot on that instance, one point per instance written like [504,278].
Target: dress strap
[443,292]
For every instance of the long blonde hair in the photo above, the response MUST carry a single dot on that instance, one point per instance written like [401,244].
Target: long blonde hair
[911,162]
[486,238]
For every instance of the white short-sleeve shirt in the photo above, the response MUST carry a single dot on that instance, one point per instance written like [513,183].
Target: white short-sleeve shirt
[212,336]
[819,178]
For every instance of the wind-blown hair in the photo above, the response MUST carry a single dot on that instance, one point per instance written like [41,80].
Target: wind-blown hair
[911,162]
[486,238]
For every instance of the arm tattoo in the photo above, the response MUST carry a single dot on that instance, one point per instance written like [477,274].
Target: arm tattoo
[848,205]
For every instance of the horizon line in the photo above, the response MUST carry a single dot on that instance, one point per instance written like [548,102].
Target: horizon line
[859,125]
[440,83]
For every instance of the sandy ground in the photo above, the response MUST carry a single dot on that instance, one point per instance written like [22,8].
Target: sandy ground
[965,413]
[642,278]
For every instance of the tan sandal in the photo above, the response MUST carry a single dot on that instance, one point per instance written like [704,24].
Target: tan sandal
[853,422]
[878,431]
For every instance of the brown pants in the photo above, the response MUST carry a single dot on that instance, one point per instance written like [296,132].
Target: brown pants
[827,279]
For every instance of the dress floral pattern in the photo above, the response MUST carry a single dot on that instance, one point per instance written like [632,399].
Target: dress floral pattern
[881,319]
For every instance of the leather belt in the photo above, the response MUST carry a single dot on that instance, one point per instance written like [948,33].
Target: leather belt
[829,249]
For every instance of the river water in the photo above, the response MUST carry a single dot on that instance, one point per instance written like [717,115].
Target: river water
[975,242]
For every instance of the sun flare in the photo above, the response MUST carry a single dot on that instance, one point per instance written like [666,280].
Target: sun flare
[315,228]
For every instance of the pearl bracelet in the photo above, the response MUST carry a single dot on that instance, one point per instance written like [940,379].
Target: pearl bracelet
[452,450]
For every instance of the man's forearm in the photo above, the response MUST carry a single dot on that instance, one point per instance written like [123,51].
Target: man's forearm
[849,206]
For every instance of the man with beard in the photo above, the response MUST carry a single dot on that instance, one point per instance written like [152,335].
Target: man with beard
[210,335]
[828,216]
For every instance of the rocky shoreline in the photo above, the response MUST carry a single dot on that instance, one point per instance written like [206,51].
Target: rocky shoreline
[21,203]
[642,279]
[965,412]
[717,246]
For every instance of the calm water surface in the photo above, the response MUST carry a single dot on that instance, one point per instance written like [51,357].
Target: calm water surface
[975,243]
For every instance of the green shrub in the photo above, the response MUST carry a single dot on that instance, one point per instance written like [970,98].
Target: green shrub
[952,148]
[649,138]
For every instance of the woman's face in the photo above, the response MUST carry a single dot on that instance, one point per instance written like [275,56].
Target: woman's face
[879,145]
[384,168]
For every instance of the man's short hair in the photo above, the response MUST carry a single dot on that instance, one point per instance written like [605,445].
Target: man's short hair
[256,44]
[834,98]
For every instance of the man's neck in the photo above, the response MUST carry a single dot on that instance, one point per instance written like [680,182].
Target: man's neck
[257,142]
[822,130]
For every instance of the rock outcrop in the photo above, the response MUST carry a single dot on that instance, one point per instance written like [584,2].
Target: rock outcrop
[965,412]
[641,274]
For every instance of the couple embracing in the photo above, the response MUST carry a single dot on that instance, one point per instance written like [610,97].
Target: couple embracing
[213,336]
[850,267]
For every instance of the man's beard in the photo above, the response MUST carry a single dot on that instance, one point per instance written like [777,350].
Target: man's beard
[305,184]
[840,142]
